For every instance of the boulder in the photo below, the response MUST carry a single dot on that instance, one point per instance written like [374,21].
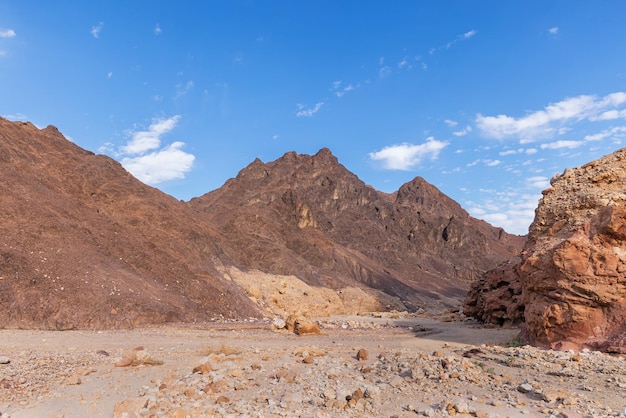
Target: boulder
[572,272]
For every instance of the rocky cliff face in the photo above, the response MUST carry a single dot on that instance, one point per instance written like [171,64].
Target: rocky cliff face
[310,217]
[572,273]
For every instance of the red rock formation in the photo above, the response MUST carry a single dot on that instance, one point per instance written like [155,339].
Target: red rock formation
[496,298]
[572,272]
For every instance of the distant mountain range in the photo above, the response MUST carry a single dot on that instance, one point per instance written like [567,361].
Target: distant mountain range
[83,244]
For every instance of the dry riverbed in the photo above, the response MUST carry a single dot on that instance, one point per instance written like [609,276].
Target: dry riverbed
[361,366]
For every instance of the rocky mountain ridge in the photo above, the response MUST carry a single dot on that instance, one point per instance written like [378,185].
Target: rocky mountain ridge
[84,244]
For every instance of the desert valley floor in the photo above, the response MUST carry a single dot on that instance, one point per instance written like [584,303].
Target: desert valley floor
[382,365]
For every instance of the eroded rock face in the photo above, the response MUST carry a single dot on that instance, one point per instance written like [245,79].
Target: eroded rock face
[496,298]
[573,270]
[572,273]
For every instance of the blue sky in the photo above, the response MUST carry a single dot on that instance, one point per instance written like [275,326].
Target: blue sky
[486,100]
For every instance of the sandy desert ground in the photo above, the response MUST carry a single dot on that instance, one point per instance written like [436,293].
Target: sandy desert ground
[359,366]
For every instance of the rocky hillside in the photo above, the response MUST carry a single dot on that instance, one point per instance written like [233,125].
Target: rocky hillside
[570,283]
[83,244]
[308,216]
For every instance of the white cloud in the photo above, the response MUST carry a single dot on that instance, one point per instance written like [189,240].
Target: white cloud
[540,123]
[461,37]
[406,156]
[16,117]
[404,63]
[451,123]
[463,132]
[303,112]
[95,30]
[611,114]
[539,182]
[487,162]
[553,30]
[469,34]
[512,211]
[144,157]
[511,152]
[157,29]
[7,33]
[165,164]
[562,144]
[618,131]
[143,141]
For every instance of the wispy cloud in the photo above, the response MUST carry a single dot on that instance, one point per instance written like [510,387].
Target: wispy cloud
[95,30]
[145,158]
[462,37]
[618,131]
[406,156]
[339,90]
[304,112]
[487,162]
[183,89]
[7,33]
[157,29]
[562,144]
[553,31]
[542,123]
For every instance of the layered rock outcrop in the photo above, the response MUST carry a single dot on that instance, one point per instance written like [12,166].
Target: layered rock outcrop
[572,272]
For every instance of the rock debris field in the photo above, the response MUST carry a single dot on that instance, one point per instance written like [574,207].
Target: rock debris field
[361,366]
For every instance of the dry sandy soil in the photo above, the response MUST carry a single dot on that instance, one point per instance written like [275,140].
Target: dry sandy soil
[411,366]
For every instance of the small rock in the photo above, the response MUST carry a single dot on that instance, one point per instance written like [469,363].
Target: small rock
[4,360]
[129,407]
[525,388]
[292,398]
[397,381]
[73,380]
[362,354]
[279,323]
[203,368]
[372,392]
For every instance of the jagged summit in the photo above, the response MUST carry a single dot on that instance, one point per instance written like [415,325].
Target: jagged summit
[322,223]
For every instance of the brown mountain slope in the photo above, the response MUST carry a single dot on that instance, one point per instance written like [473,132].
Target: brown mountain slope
[310,217]
[84,244]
